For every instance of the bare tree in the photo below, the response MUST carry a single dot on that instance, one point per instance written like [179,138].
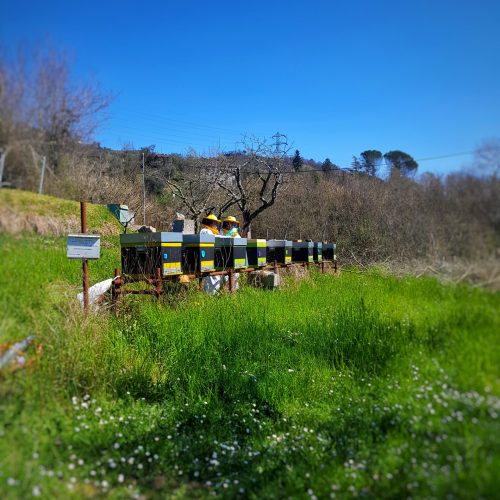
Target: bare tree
[195,186]
[254,179]
[63,113]
[248,181]
[487,157]
[12,107]
[41,108]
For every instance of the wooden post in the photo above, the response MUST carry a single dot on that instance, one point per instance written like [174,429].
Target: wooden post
[85,265]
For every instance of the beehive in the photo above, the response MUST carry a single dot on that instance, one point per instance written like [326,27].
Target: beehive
[279,251]
[318,251]
[198,253]
[329,251]
[230,253]
[143,253]
[302,251]
[256,252]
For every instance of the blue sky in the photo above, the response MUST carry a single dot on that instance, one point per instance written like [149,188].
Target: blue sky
[337,77]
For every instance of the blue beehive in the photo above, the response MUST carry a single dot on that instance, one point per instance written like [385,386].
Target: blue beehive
[198,253]
[230,253]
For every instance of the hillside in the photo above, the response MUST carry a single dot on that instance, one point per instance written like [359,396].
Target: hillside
[360,384]
[47,215]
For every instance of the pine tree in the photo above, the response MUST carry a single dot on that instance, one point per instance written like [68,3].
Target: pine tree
[327,165]
[370,162]
[297,161]
[356,164]
[401,162]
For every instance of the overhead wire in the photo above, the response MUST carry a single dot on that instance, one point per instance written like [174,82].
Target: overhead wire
[186,136]
[333,169]
[172,131]
[161,141]
[159,118]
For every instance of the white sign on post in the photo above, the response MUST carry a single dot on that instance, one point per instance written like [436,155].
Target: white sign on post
[83,246]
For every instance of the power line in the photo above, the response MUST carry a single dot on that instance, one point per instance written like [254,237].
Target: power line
[176,132]
[187,135]
[161,141]
[464,153]
[161,118]
[125,129]
[277,145]
[337,168]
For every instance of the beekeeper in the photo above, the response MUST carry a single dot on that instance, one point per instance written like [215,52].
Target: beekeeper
[230,227]
[210,225]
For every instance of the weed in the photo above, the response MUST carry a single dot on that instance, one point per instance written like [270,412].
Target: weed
[362,384]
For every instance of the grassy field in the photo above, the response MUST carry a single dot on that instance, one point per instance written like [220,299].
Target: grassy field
[357,385]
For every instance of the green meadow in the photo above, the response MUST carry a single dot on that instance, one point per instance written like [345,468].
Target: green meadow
[360,384]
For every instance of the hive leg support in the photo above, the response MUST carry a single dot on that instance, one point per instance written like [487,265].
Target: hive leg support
[158,287]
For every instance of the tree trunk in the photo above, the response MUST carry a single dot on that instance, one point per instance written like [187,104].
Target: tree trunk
[246,230]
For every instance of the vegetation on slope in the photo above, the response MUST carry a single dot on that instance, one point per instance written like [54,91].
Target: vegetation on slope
[22,211]
[335,386]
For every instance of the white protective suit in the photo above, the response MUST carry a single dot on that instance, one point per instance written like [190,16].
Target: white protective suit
[211,284]
[236,275]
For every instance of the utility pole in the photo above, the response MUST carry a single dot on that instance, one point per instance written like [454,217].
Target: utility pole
[40,185]
[3,156]
[143,191]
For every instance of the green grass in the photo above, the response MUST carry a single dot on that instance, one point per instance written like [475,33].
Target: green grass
[362,384]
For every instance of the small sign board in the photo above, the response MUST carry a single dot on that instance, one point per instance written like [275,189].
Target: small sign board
[83,246]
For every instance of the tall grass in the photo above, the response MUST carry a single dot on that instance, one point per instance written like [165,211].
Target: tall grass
[361,384]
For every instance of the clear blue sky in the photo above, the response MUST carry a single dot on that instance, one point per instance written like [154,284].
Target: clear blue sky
[337,77]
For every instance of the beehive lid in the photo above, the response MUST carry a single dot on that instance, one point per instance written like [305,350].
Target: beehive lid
[142,238]
[279,243]
[303,244]
[227,241]
[256,243]
[198,238]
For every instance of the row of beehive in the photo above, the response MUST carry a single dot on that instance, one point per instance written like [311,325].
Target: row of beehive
[177,253]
